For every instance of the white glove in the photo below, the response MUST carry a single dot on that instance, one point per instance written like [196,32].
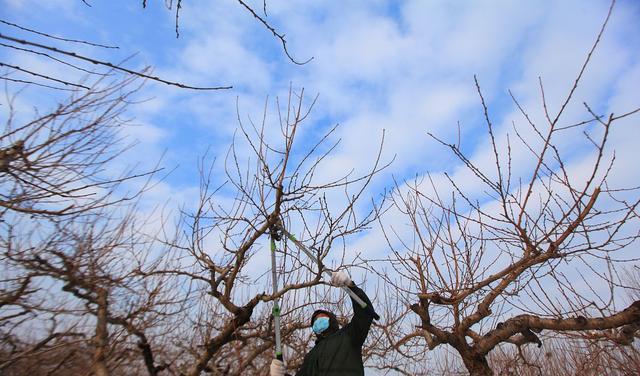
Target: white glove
[277,368]
[340,279]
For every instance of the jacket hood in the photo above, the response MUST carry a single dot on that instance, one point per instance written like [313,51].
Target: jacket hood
[333,323]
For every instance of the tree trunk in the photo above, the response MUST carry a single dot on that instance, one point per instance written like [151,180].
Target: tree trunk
[477,365]
[101,339]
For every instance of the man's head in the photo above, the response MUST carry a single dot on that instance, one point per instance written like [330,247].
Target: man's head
[324,323]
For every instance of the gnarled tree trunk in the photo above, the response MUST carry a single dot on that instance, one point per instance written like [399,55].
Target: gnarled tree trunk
[476,364]
[101,339]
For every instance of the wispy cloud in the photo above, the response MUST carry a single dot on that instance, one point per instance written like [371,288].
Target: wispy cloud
[405,67]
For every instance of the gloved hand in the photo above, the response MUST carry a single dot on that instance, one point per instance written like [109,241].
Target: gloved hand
[340,279]
[277,368]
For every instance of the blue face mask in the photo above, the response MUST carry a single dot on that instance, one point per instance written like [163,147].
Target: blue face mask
[320,325]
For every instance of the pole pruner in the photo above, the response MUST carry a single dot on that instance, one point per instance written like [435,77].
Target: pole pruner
[275,236]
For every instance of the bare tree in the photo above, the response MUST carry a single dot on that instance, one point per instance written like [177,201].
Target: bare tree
[94,259]
[567,356]
[70,240]
[538,252]
[222,257]
[99,294]
[54,164]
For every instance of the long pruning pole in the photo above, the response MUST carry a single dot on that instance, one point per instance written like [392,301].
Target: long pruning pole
[275,234]
[276,307]
[311,255]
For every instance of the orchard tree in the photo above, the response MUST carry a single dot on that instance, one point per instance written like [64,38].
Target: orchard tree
[220,249]
[70,237]
[539,252]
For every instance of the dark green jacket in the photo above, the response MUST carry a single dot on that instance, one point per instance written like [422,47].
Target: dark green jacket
[341,352]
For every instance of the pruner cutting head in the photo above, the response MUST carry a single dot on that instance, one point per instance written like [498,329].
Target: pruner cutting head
[276,230]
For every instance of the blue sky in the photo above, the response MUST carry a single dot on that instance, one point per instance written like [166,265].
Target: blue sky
[405,67]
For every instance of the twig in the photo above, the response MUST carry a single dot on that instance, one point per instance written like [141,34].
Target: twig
[34,83]
[58,38]
[66,83]
[275,33]
[178,7]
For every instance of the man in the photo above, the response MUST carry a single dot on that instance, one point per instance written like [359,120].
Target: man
[338,351]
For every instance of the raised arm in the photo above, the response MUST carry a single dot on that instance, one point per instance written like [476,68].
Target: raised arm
[358,327]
